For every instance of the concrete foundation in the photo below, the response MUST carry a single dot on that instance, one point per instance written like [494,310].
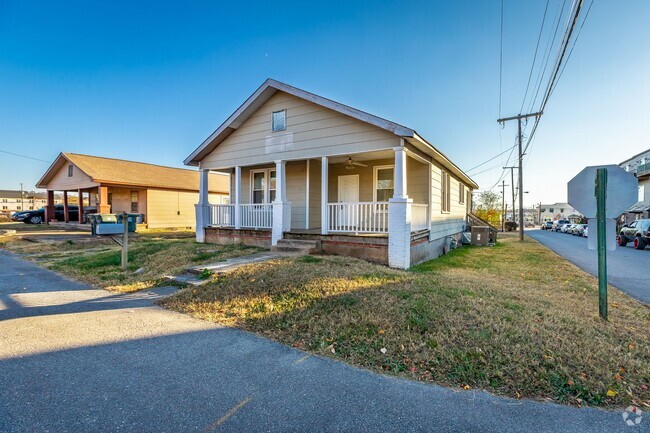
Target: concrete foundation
[423,249]
[253,238]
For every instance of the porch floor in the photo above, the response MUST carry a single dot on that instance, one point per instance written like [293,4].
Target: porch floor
[317,232]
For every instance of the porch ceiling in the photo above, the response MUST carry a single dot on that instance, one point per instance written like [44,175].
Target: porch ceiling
[366,156]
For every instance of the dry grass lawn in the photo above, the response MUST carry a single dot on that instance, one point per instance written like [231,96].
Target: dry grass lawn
[97,261]
[515,319]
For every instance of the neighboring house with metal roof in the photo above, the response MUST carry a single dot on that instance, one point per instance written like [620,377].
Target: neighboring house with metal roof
[16,200]
[313,173]
[166,196]
[639,165]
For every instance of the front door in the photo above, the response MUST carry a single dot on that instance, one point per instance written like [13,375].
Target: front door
[348,193]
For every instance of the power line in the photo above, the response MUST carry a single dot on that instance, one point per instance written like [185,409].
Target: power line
[554,78]
[491,159]
[532,67]
[549,48]
[24,156]
[574,42]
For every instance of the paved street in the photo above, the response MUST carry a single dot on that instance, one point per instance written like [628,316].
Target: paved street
[77,359]
[627,268]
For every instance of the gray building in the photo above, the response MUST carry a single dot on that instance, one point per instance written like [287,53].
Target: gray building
[639,166]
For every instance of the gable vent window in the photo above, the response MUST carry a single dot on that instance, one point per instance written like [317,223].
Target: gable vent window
[70,168]
[279,120]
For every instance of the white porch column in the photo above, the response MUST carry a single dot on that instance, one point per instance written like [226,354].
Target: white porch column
[400,172]
[237,197]
[281,207]
[324,223]
[203,206]
[399,216]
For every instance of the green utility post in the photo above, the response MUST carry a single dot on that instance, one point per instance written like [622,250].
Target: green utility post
[125,241]
[601,199]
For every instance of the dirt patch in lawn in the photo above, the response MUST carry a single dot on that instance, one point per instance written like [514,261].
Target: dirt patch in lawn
[514,319]
[97,260]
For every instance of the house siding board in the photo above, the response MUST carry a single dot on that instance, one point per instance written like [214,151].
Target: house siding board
[62,182]
[296,194]
[445,224]
[416,184]
[316,131]
[173,208]
[315,194]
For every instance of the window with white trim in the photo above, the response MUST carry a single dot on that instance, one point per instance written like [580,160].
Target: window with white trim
[384,182]
[262,186]
[445,192]
[70,170]
[279,121]
[461,193]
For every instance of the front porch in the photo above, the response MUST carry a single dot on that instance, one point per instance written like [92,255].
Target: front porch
[354,205]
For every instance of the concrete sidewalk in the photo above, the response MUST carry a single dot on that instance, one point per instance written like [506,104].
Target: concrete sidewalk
[77,359]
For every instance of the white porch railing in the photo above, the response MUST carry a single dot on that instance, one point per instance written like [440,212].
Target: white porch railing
[222,215]
[357,217]
[419,217]
[257,216]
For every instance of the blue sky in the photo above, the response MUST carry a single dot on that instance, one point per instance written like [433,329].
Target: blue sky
[150,80]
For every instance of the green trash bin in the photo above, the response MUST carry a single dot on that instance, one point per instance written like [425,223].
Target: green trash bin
[93,223]
[131,221]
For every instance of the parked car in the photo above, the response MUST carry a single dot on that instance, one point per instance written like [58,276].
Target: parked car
[511,225]
[565,227]
[557,225]
[548,225]
[579,229]
[638,233]
[37,216]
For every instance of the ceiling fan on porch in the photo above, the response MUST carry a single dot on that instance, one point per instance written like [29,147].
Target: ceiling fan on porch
[350,164]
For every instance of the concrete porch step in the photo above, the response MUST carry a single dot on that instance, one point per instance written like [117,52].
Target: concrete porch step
[297,246]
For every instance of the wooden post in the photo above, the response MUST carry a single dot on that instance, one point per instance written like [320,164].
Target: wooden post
[80,206]
[125,241]
[66,211]
[103,206]
[49,209]
[519,117]
[601,199]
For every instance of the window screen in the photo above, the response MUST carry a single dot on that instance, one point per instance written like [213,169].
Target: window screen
[279,120]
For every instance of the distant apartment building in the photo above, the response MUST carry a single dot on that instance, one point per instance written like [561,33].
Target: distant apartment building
[639,166]
[14,201]
[559,211]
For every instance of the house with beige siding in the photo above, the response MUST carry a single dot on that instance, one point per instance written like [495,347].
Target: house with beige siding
[309,172]
[165,196]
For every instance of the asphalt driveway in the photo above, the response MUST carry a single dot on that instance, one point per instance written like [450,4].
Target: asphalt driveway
[627,268]
[78,359]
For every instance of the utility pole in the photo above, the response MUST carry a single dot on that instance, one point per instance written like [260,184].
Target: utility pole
[503,205]
[512,182]
[521,156]
[539,213]
[22,198]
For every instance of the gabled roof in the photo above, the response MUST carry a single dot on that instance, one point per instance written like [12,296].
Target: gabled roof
[270,87]
[132,173]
